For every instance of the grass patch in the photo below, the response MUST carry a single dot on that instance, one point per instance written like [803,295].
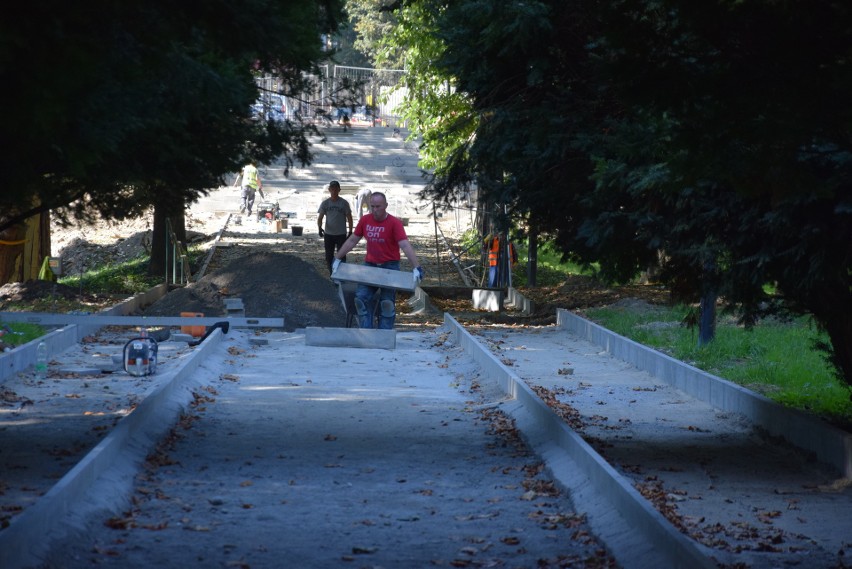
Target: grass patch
[129,277]
[550,269]
[19,333]
[776,358]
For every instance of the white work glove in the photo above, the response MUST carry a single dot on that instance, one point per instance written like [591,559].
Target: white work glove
[418,275]
[334,265]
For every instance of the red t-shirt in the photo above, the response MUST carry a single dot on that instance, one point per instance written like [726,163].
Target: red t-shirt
[382,237]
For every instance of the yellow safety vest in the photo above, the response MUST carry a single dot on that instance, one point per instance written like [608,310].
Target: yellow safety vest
[250,176]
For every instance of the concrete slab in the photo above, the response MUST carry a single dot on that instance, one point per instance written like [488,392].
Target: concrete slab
[484,299]
[351,338]
[374,276]
[182,338]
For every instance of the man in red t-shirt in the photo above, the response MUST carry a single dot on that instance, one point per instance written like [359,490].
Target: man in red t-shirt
[385,236]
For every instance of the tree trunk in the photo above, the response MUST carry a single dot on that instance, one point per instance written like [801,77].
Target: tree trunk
[23,249]
[707,306]
[503,261]
[532,260]
[840,332]
[707,318]
[832,313]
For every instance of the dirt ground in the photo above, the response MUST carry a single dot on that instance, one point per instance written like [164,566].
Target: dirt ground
[281,273]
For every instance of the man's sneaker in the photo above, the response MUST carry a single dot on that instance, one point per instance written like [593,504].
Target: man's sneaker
[242,209]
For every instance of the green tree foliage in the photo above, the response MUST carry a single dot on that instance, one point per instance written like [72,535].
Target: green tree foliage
[117,106]
[712,134]
[523,68]
[372,20]
[347,53]
[754,157]
[434,106]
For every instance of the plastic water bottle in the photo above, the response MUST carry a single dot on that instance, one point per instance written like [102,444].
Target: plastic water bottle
[41,361]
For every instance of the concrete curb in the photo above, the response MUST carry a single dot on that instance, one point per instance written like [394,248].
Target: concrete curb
[115,456]
[24,355]
[636,534]
[516,301]
[829,444]
[420,303]
[59,340]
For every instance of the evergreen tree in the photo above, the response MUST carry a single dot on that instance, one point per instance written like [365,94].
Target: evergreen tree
[120,106]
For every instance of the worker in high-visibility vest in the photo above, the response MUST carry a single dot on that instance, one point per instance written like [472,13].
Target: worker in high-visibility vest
[251,183]
[493,245]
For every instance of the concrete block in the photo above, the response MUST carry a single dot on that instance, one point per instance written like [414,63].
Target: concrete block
[234,308]
[420,303]
[259,341]
[374,276]
[491,300]
[182,338]
[351,338]
[516,301]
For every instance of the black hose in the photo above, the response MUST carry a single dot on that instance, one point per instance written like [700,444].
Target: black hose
[223,325]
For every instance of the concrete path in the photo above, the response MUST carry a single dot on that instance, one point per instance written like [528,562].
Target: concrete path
[742,497]
[301,456]
[308,456]
[360,157]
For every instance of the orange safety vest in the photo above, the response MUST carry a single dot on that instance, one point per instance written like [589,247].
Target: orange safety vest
[494,252]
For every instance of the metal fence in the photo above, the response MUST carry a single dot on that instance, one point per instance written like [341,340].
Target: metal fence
[361,94]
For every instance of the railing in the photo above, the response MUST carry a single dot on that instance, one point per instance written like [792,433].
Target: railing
[177,258]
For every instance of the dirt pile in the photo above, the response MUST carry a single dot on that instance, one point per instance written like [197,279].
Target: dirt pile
[270,284]
[282,275]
